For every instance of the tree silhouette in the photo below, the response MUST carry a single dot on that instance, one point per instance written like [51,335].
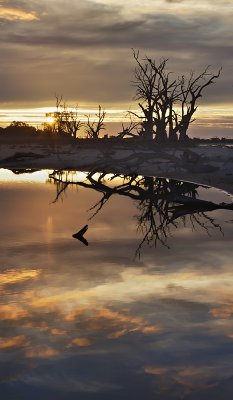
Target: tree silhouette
[167,103]
[66,119]
[93,128]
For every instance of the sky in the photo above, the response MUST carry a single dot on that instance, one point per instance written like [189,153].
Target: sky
[83,51]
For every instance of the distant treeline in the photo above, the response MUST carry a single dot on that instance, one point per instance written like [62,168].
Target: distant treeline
[22,133]
[214,140]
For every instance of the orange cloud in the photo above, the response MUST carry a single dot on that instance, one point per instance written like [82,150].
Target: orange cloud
[113,324]
[16,341]
[42,352]
[188,372]
[152,329]
[230,336]
[117,334]
[57,331]
[104,318]
[117,316]
[222,312]
[81,342]
[15,276]
[38,325]
[12,311]
[155,370]
[12,14]
[74,315]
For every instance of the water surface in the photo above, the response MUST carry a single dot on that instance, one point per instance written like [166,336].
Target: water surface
[106,320]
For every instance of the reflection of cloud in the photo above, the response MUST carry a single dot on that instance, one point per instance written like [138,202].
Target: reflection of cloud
[230,336]
[16,341]
[13,276]
[38,324]
[12,312]
[86,310]
[101,319]
[12,14]
[41,352]
[81,342]
[155,370]
[222,312]
[118,334]
[106,323]
[70,384]
[57,331]
[152,329]
[182,381]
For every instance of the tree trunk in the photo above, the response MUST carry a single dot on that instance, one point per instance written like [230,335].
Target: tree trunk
[161,136]
[148,132]
[183,135]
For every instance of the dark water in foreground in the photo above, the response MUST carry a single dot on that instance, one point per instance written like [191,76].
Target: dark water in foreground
[117,319]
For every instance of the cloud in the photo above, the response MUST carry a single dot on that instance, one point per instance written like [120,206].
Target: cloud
[174,1]
[56,331]
[225,311]
[12,312]
[13,14]
[230,336]
[155,370]
[41,352]
[78,51]
[16,276]
[81,342]
[152,329]
[16,341]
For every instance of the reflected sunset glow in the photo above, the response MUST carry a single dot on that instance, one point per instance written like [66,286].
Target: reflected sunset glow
[99,312]
[36,177]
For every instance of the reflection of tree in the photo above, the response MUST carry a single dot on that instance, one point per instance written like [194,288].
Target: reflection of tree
[162,203]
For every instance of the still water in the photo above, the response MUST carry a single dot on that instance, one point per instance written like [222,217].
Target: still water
[144,311]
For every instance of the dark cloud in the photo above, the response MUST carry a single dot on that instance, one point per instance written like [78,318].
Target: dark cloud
[78,50]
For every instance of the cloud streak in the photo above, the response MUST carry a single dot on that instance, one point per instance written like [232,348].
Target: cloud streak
[78,50]
[14,14]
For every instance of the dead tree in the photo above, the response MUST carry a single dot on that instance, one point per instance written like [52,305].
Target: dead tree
[157,93]
[71,123]
[131,130]
[167,103]
[65,119]
[191,91]
[93,128]
[147,83]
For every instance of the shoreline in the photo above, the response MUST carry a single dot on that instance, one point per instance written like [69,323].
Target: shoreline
[206,165]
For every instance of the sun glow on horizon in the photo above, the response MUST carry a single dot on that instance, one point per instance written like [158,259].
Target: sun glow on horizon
[39,116]
[215,116]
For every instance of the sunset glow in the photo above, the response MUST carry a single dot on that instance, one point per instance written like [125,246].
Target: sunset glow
[116,200]
[88,64]
[216,119]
